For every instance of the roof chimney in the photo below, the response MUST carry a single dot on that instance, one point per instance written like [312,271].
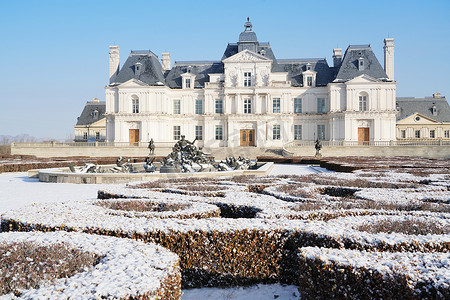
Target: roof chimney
[337,57]
[165,61]
[114,61]
[389,57]
[437,95]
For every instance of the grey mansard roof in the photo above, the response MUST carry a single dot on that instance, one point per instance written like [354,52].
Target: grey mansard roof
[88,117]
[200,69]
[349,66]
[296,67]
[424,106]
[150,74]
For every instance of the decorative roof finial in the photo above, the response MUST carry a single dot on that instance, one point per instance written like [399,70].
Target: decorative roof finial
[248,19]
[248,25]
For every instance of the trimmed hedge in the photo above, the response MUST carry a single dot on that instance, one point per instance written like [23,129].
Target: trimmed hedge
[370,275]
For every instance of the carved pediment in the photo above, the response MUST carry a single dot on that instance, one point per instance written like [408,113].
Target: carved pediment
[417,119]
[363,79]
[133,83]
[247,56]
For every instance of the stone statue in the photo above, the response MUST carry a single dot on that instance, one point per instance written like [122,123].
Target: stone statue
[151,147]
[318,146]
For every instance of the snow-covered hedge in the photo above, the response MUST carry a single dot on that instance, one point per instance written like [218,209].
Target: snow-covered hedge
[352,274]
[127,269]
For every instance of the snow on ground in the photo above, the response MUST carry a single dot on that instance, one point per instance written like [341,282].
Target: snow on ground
[17,190]
[256,292]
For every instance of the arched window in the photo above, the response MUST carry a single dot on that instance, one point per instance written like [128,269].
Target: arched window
[135,104]
[363,102]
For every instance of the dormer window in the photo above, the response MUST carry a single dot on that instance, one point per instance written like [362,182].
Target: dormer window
[137,68]
[95,114]
[309,77]
[308,67]
[361,64]
[187,80]
[247,79]
[434,110]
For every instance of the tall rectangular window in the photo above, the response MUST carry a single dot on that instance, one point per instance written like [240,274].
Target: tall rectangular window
[219,106]
[362,103]
[447,134]
[247,79]
[219,132]
[297,105]
[276,105]
[247,106]
[135,103]
[403,134]
[85,136]
[320,105]
[176,133]
[297,132]
[432,134]
[97,135]
[417,134]
[176,107]
[276,134]
[188,83]
[199,106]
[199,133]
[321,132]
[309,81]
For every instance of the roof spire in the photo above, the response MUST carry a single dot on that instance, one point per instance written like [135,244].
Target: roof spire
[248,25]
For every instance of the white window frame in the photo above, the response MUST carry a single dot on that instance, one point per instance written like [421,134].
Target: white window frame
[85,136]
[198,106]
[219,132]
[176,106]
[176,133]
[199,132]
[219,106]
[276,132]
[297,105]
[298,132]
[276,105]
[321,132]
[247,106]
[446,134]
[432,134]
[320,105]
[362,103]
[135,105]
[417,134]
[247,79]
[403,134]
[187,83]
[309,80]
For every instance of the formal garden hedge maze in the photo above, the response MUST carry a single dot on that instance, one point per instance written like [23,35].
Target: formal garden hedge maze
[373,233]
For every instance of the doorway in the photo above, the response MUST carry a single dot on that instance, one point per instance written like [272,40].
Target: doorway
[363,136]
[247,137]
[133,137]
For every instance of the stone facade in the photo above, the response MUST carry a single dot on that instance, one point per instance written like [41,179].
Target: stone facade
[422,119]
[91,125]
[251,98]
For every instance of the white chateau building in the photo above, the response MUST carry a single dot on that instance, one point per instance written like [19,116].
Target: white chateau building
[252,98]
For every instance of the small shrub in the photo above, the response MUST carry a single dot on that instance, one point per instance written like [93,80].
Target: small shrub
[141,206]
[24,265]
[410,226]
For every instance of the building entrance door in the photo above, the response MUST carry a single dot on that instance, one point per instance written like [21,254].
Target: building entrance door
[247,137]
[363,136]
[133,137]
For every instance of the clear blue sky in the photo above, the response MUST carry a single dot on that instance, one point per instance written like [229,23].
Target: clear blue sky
[54,54]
